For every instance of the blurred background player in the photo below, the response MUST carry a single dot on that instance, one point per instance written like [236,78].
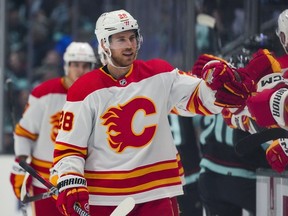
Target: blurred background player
[185,140]
[269,94]
[37,129]
[227,182]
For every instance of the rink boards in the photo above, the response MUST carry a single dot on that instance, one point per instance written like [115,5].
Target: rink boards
[272,193]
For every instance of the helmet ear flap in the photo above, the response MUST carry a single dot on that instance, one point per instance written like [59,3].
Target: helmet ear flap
[66,68]
[282,27]
[282,38]
[105,46]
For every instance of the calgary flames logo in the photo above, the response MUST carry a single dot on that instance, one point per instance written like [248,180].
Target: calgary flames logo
[54,121]
[119,122]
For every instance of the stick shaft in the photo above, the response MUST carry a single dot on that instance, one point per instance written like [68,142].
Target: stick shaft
[37,197]
[248,144]
[125,206]
[52,188]
[35,174]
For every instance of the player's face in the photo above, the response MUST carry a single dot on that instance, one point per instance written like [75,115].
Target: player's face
[123,46]
[77,69]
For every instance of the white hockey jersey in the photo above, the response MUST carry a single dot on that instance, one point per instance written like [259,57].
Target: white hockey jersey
[116,132]
[37,129]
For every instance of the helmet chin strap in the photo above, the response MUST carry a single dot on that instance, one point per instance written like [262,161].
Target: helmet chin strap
[284,45]
[285,48]
[109,60]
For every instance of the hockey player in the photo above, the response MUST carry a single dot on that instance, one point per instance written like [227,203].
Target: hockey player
[274,103]
[268,107]
[227,182]
[37,129]
[275,111]
[114,137]
[185,140]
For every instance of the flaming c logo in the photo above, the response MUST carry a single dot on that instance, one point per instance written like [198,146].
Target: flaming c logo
[54,121]
[119,122]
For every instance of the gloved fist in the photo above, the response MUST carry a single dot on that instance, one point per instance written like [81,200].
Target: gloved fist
[277,155]
[201,61]
[235,121]
[232,89]
[240,120]
[17,177]
[269,107]
[72,190]
[263,62]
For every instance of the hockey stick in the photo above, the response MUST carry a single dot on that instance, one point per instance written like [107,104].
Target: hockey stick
[124,207]
[249,143]
[26,198]
[23,187]
[121,210]
[36,175]
[51,187]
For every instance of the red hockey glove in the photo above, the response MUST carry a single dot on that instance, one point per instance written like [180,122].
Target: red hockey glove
[263,62]
[241,121]
[277,154]
[201,61]
[235,121]
[17,177]
[72,189]
[270,81]
[231,88]
[269,107]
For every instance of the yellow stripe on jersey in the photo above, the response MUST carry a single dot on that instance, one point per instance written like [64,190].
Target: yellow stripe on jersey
[41,163]
[141,187]
[62,150]
[276,67]
[195,104]
[145,178]
[180,167]
[42,167]
[44,175]
[132,174]
[20,131]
